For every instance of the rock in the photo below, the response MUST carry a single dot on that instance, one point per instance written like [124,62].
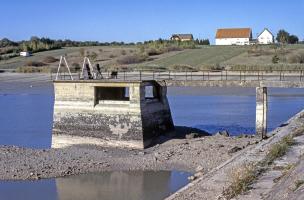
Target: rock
[234,149]
[141,153]
[223,133]
[199,168]
[192,135]
[191,178]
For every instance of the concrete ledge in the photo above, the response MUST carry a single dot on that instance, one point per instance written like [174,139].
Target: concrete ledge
[62,141]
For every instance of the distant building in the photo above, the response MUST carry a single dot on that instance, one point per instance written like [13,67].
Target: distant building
[233,36]
[265,37]
[182,37]
[25,53]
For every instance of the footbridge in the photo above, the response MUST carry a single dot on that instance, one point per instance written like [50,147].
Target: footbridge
[260,80]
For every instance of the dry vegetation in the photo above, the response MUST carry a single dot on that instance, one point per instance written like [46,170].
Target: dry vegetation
[242,177]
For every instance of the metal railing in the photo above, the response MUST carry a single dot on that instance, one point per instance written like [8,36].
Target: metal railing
[203,75]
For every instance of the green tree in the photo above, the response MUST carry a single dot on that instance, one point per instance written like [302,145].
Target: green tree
[293,39]
[282,36]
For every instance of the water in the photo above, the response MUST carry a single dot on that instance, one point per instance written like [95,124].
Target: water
[232,109]
[137,185]
[26,120]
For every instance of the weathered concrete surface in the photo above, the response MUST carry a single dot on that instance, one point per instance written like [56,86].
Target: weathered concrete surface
[211,185]
[133,121]
[279,181]
[261,111]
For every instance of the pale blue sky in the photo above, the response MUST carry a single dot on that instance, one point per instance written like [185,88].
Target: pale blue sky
[139,20]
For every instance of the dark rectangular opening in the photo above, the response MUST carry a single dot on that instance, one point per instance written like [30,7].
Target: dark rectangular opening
[111,94]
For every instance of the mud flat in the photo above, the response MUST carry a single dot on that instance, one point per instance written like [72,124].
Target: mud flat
[196,154]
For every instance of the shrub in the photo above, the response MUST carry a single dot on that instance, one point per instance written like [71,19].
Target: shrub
[50,59]
[112,56]
[275,59]
[35,64]
[153,52]
[123,52]
[29,69]
[132,59]
[241,179]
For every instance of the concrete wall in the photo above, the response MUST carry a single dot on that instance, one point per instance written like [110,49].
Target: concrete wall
[79,118]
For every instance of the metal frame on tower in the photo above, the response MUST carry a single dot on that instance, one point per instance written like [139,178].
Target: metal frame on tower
[62,58]
[87,60]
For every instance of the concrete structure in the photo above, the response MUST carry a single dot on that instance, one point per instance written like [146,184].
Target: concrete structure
[233,36]
[182,37]
[25,53]
[265,37]
[126,114]
[261,111]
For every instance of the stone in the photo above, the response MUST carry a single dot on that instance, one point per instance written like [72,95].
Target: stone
[223,133]
[234,149]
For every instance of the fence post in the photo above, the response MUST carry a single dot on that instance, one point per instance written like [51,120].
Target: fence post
[140,75]
[169,75]
[186,76]
[240,75]
[226,75]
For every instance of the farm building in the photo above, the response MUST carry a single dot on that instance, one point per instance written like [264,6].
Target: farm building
[25,53]
[233,36]
[182,37]
[265,37]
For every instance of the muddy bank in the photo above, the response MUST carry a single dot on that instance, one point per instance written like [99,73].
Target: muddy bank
[196,154]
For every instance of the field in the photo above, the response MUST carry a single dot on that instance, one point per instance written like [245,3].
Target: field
[203,57]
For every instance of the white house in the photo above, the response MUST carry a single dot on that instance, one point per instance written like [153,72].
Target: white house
[265,37]
[233,36]
[25,53]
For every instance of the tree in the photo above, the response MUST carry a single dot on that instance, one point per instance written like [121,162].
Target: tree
[293,39]
[282,36]
[206,42]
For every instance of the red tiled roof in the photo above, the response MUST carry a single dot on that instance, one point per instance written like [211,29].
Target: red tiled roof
[233,33]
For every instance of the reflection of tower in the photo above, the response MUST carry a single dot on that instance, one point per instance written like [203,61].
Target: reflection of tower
[115,185]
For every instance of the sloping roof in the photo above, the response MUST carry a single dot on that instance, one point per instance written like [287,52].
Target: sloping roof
[233,33]
[183,36]
[265,29]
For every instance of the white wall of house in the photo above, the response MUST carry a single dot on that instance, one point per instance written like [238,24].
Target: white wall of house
[232,41]
[265,37]
[25,53]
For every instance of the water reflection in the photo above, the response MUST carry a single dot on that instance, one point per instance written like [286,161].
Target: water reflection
[136,185]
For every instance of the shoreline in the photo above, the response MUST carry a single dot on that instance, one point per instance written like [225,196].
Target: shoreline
[191,155]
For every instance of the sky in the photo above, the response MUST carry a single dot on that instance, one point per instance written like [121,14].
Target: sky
[140,20]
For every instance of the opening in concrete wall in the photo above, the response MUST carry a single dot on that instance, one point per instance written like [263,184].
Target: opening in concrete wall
[111,94]
[152,92]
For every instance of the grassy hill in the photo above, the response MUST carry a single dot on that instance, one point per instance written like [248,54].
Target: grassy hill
[203,57]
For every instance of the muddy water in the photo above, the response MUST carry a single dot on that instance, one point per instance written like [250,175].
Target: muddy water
[148,185]
[26,120]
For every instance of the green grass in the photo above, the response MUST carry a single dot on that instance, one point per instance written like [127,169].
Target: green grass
[200,57]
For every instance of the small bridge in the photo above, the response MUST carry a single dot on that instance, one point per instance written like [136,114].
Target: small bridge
[261,80]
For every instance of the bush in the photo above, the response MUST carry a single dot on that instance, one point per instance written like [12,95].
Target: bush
[132,59]
[275,59]
[50,59]
[123,52]
[35,64]
[153,52]
[296,58]
[112,56]
[33,70]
